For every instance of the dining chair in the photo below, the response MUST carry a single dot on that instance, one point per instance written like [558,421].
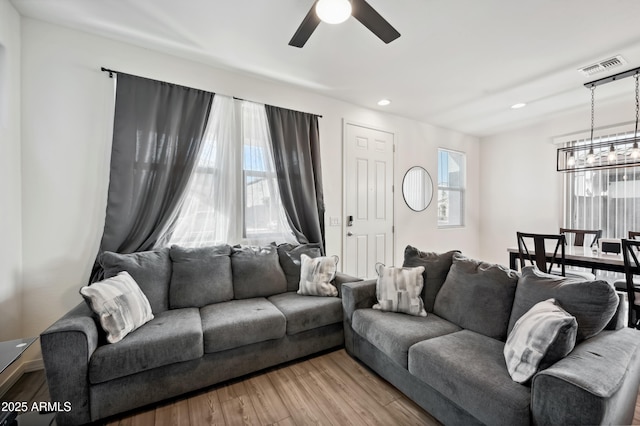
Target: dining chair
[577,237]
[538,256]
[630,255]
[633,235]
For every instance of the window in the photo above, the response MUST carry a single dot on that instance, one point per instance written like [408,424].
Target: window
[233,195]
[607,199]
[451,183]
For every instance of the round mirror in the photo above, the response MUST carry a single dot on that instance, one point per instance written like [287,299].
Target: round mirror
[417,188]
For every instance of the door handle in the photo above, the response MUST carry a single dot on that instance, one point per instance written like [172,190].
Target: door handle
[349,234]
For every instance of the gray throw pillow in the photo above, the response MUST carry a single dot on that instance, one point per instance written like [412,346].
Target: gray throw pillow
[593,303]
[477,296]
[436,267]
[540,338]
[119,304]
[256,272]
[150,269]
[316,275]
[398,290]
[289,255]
[201,276]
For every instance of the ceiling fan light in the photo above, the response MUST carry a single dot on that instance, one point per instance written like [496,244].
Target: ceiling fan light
[333,11]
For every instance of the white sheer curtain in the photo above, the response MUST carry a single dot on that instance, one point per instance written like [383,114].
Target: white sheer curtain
[264,216]
[233,196]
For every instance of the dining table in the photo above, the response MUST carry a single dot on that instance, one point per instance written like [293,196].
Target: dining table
[580,256]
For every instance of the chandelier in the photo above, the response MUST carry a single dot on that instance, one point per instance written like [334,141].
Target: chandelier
[623,152]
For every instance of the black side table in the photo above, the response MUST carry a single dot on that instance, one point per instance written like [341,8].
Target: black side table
[10,416]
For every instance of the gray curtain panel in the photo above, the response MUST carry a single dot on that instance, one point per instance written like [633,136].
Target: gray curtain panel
[296,148]
[157,135]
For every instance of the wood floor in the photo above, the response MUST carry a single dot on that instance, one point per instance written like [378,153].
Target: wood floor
[328,389]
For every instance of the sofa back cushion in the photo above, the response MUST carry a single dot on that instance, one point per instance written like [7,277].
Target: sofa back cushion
[477,296]
[436,267]
[201,276]
[256,272]
[289,255]
[593,303]
[150,269]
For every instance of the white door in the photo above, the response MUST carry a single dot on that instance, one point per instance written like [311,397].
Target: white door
[368,216]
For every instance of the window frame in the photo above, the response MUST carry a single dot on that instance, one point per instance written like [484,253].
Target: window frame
[461,189]
[598,181]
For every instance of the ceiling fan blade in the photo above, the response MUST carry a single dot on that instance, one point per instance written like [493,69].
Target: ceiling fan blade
[306,28]
[367,15]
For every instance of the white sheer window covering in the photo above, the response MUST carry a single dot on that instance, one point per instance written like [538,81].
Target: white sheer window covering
[233,195]
[607,199]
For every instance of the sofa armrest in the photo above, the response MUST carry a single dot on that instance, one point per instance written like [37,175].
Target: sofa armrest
[358,295]
[597,383]
[341,279]
[67,347]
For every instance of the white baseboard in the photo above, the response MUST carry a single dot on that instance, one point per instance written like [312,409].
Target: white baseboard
[25,367]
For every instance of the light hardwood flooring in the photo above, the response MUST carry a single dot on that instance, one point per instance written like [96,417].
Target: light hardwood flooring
[328,389]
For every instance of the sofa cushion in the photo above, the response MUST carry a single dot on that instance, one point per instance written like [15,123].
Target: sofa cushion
[394,333]
[119,304]
[201,276]
[542,336]
[469,369]
[478,296]
[172,336]
[316,275]
[593,303]
[228,325]
[256,272]
[289,255]
[436,268]
[150,269]
[306,313]
[398,290]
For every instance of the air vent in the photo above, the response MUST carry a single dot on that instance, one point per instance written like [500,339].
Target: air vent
[605,65]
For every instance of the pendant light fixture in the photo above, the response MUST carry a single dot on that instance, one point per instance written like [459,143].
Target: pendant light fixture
[590,155]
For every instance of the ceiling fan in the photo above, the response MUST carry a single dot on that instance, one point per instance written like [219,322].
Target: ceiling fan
[359,9]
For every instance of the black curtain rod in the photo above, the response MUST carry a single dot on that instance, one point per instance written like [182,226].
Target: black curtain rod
[619,76]
[111,72]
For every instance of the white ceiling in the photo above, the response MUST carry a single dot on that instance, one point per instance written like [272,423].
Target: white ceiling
[459,64]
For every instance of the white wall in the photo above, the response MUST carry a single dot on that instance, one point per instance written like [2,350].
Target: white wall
[65,146]
[10,181]
[521,189]
[10,186]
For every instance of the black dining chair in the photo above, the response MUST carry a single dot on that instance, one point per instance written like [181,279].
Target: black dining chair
[621,284]
[576,238]
[538,256]
[630,255]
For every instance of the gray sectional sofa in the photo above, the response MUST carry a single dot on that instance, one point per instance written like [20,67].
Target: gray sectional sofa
[219,313]
[452,362]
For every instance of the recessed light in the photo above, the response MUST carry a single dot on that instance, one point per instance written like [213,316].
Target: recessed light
[384,102]
[518,105]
